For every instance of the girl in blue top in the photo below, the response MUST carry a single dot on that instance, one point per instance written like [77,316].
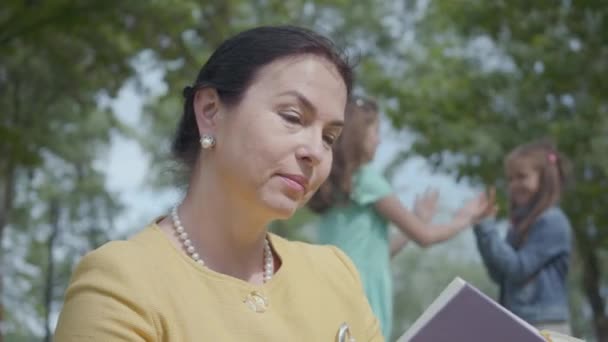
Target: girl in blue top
[531,265]
[357,203]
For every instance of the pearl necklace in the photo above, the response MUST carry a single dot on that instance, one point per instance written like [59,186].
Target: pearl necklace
[189,247]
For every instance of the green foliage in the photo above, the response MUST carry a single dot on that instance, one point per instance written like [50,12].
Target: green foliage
[471,78]
[484,77]
[58,61]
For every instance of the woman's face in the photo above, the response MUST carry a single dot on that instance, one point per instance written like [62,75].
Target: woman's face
[273,148]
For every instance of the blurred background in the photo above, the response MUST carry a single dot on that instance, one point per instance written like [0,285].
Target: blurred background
[90,93]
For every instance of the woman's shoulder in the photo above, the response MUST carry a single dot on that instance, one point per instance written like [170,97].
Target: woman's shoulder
[118,258]
[114,277]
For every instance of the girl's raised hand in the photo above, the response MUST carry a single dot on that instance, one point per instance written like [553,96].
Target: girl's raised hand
[478,208]
[425,205]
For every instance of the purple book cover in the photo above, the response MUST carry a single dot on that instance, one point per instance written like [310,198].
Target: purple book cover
[464,314]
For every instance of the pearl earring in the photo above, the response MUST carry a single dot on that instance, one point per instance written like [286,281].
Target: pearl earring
[207,141]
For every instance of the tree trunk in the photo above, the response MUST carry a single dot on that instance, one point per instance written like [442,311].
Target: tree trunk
[50,271]
[591,286]
[7,189]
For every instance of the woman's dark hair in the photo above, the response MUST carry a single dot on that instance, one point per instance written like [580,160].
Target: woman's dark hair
[233,66]
[349,155]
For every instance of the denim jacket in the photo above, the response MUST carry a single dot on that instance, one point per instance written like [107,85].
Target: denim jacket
[533,276]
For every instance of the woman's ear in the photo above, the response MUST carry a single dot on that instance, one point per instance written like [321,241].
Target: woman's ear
[206,104]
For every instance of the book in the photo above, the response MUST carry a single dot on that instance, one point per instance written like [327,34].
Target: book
[462,313]
[552,336]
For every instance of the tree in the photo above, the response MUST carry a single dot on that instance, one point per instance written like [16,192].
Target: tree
[57,60]
[482,77]
[458,73]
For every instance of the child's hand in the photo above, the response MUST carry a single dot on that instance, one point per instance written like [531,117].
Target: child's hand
[478,208]
[425,206]
[491,208]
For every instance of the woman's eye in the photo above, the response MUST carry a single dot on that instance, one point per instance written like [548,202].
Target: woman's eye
[329,139]
[291,118]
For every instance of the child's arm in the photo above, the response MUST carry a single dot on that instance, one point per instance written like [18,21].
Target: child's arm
[548,237]
[425,207]
[424,234]
[485,252]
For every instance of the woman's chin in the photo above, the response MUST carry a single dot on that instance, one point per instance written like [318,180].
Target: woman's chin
[284,213]
[279,205]
[283,209]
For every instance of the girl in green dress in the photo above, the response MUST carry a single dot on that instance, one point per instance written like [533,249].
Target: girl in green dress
[357,204]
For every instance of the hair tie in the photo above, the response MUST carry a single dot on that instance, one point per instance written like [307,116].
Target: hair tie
[552,157]
[187,92]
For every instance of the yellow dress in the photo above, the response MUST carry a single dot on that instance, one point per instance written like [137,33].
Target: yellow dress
[144,289]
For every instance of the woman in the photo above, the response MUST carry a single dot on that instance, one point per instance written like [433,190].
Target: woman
[256,137]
